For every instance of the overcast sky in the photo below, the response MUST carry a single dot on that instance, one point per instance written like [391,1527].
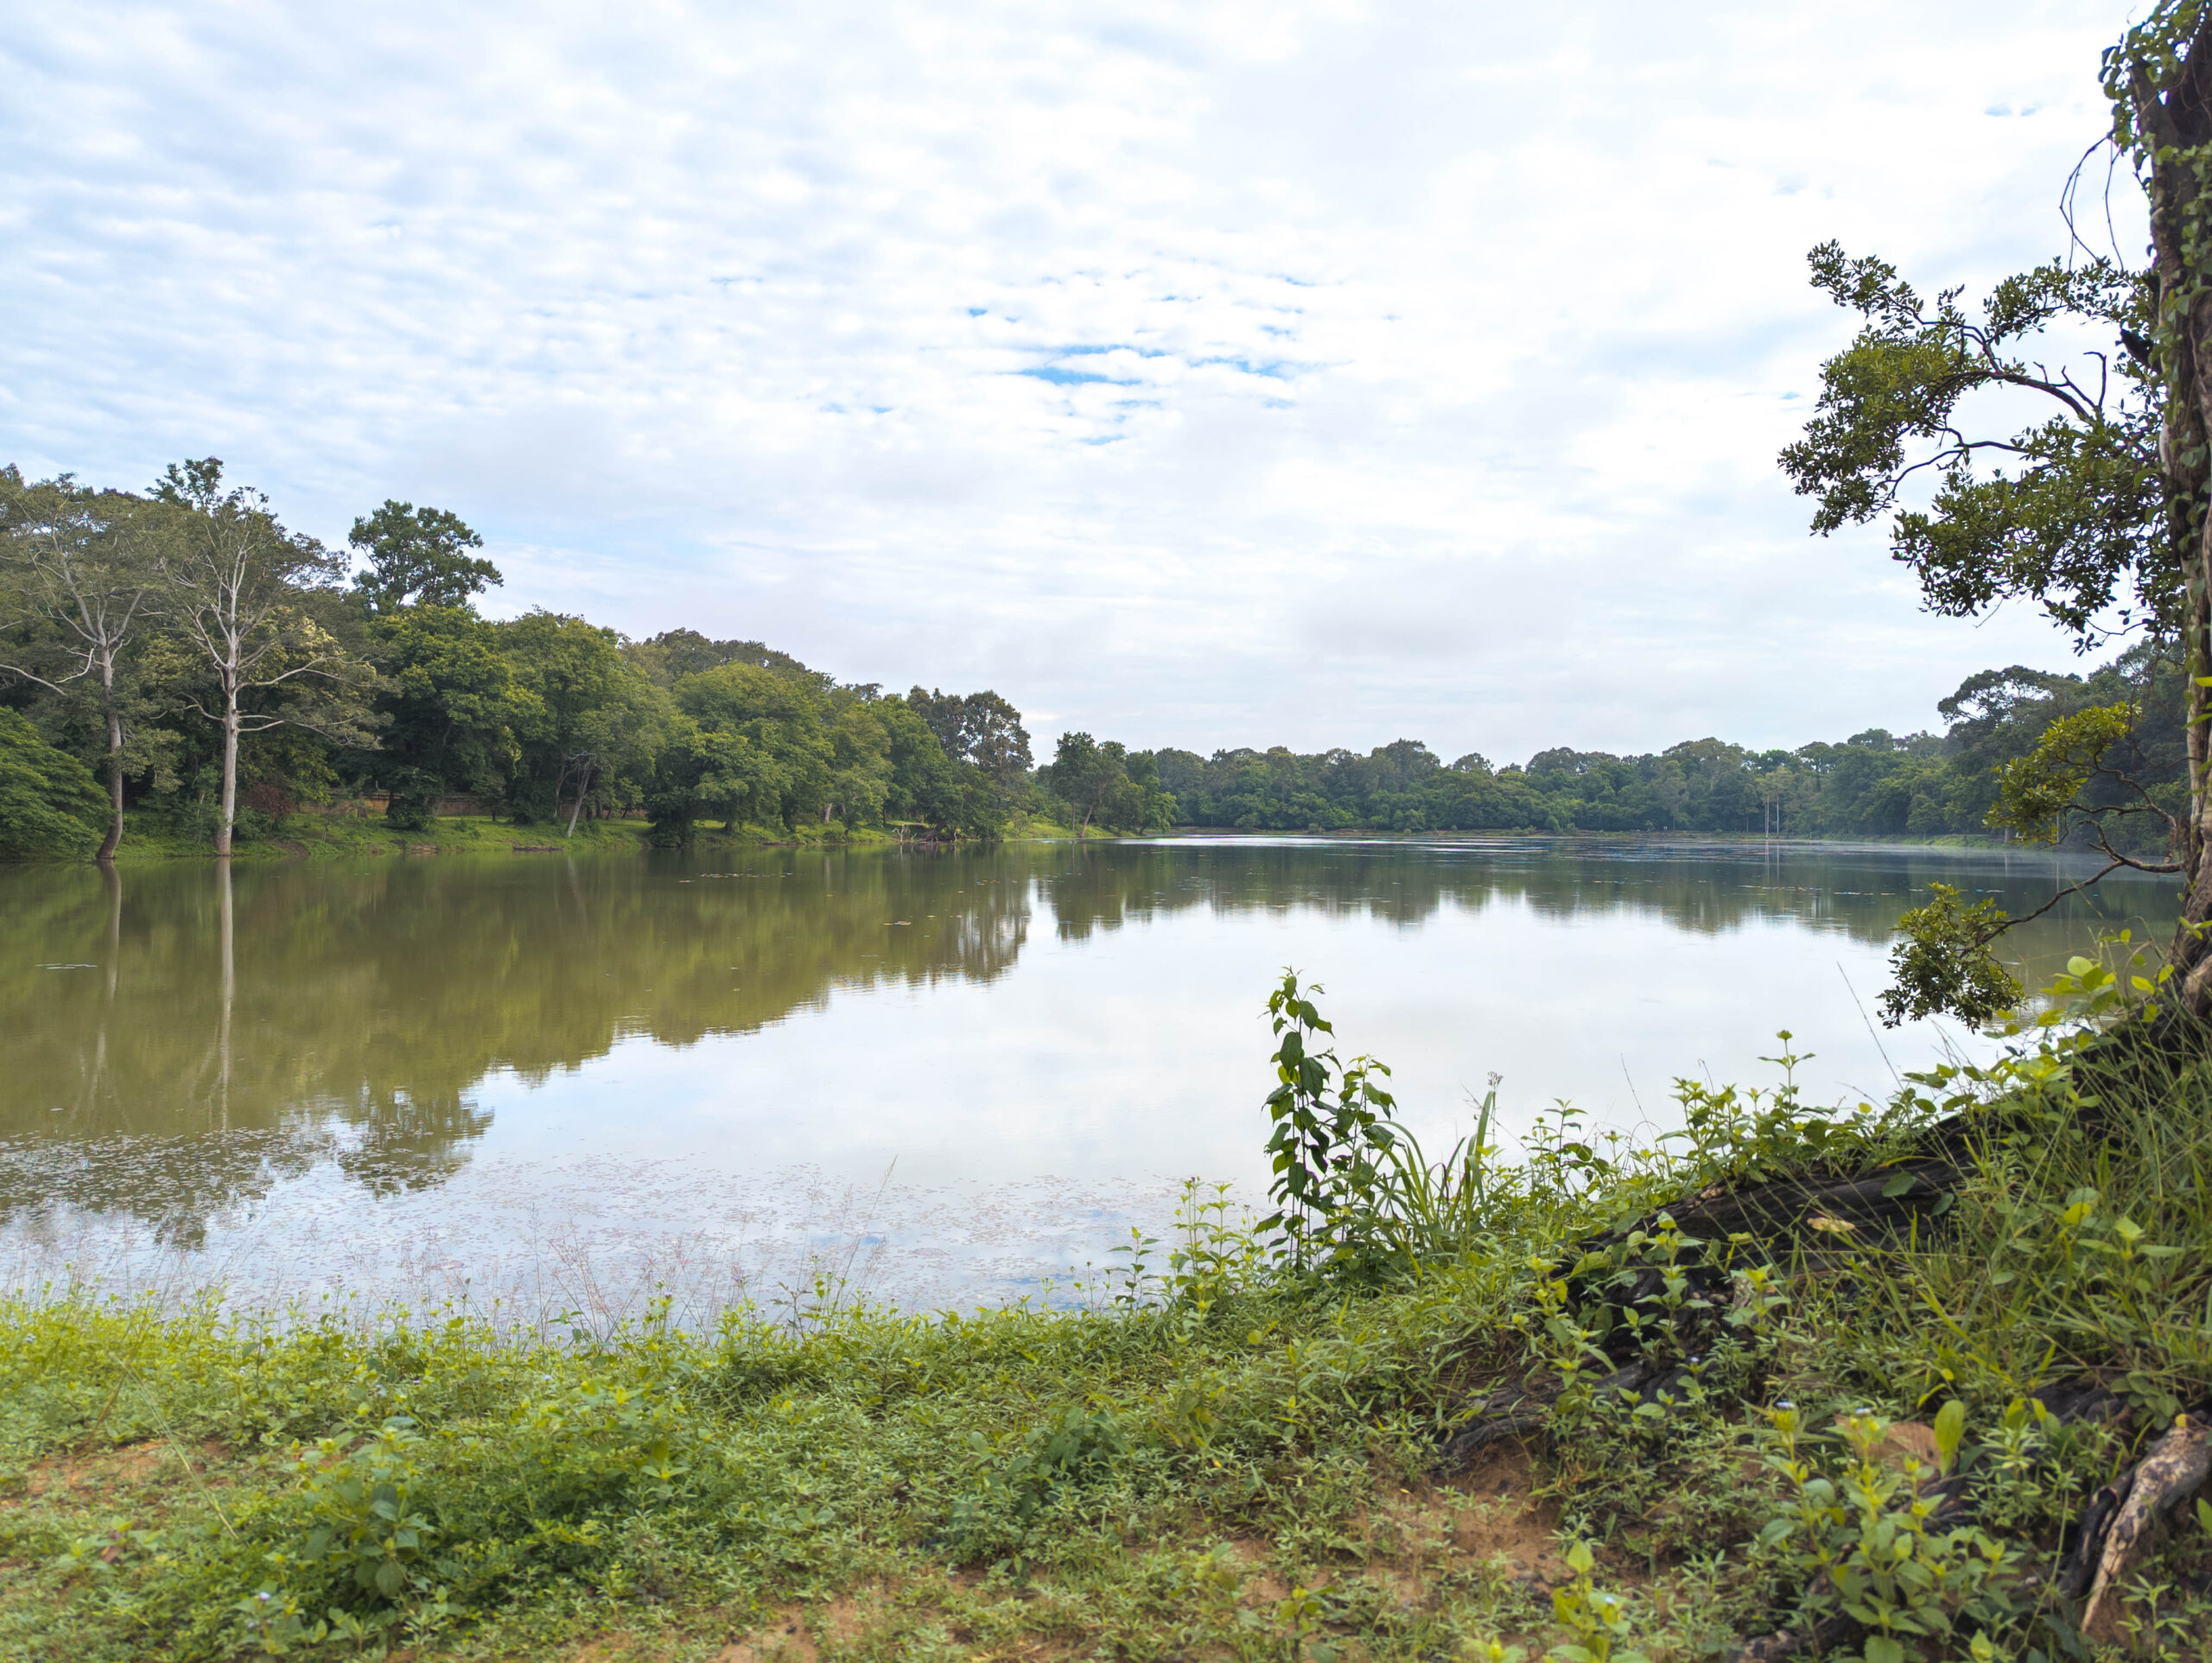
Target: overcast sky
[1203,375]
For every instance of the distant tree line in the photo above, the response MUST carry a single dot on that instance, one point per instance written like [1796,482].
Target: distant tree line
[179,654]
[1873,784]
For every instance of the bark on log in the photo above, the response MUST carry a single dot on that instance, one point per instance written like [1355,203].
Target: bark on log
[2173,1471]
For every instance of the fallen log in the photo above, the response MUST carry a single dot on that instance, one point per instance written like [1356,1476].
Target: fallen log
[2132,1525]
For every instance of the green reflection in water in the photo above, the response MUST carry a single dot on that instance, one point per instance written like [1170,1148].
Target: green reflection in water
[184,1039]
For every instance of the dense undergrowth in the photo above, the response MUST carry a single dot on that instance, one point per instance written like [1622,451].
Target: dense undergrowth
[1246,1445]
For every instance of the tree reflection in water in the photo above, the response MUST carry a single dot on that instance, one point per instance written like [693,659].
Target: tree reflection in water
[184,1039]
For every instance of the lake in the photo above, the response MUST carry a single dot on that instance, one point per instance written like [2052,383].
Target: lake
[949,1078]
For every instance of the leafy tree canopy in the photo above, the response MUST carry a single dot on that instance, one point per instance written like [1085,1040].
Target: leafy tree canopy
[49,802]
[418,555]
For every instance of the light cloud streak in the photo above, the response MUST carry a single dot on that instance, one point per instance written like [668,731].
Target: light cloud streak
[1196,374]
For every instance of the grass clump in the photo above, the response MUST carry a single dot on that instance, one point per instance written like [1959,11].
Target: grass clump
[1459,1410]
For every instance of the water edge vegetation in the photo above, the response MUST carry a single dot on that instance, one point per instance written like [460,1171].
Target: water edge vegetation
[1433,1407]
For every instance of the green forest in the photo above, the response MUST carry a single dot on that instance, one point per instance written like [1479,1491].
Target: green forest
[1872,784]
[181,666]
[181,661]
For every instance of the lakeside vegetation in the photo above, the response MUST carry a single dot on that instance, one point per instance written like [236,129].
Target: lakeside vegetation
[1873,783]
[220,672]
[1434,1408]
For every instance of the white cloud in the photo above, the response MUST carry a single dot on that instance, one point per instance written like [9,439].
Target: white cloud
[1200,374]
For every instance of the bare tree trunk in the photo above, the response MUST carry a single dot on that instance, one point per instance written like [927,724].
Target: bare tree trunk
[230,773]
[583,784]
[114,838]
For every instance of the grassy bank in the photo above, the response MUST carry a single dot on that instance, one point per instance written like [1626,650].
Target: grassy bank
[1528,1411]
[336,836]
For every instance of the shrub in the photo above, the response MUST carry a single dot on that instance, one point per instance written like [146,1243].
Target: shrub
[50,805]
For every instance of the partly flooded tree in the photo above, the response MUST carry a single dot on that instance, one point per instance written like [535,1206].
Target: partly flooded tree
[2063,426]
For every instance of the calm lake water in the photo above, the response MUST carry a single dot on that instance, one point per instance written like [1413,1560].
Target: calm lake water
[952,1077]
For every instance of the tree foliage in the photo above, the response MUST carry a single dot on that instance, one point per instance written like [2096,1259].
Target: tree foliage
[1102,785]
[1942,965]
[238,680]
[2094,509]
[1872,783]
[2062,509]
[49,802]
[418,555]
[981,728]
[454,710]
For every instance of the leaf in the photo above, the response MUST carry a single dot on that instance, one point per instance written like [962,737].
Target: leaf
[1950,1430]
[1901,1184]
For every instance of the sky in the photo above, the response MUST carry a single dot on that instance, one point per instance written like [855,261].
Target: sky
[1194,374]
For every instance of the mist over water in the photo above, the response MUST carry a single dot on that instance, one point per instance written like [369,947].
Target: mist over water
[945,1076]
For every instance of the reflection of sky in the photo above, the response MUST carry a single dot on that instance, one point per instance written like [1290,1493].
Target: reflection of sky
[1141,1052]
[1017,1124]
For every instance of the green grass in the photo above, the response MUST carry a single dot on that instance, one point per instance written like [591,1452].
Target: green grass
[315,837]
[1222,1459]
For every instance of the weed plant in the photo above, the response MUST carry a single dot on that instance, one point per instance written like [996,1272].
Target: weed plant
[1238,1449]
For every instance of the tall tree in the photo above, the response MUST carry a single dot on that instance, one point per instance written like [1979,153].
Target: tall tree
[1085,775]
[981,728]
[235,585]
[2160,81]
[783,718]
[2095,509]
[83,564]
[453,708]
[601,718]
[418,555]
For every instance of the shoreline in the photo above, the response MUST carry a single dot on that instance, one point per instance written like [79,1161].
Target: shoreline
[1486,1443]
[366,837]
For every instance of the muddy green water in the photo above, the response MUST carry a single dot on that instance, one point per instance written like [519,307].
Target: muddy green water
[949,1075]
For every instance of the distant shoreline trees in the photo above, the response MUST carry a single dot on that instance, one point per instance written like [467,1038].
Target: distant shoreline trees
[220,673]
[216,672]
[1872,784]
